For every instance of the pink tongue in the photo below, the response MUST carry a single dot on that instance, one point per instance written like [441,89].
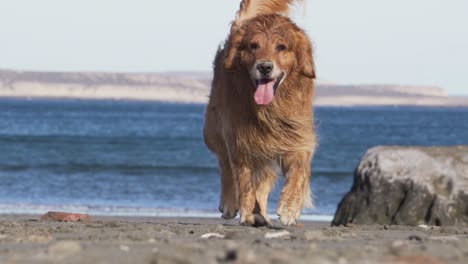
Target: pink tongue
[264,94]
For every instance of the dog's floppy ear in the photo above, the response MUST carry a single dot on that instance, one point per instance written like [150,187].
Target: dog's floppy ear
[232,49]
[305,62]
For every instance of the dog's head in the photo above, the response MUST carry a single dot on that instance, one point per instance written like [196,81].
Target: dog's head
[272,49]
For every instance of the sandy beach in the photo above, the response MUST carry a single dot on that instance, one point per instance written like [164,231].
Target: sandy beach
[26,239]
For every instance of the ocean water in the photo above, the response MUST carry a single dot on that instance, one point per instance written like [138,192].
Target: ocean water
[146,158]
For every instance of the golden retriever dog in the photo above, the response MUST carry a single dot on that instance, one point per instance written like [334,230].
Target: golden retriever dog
[259,119]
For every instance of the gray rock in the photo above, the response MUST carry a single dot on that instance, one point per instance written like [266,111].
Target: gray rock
[408,186]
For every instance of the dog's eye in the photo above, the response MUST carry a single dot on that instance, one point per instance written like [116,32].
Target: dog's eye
[253,46]
[281,47]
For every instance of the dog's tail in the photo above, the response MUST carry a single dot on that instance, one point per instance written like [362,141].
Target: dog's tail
[251,8]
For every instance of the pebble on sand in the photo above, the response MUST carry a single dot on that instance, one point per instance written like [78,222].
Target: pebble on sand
[211,235]
[414,260]
[281,234]
[64,248]
[124,248]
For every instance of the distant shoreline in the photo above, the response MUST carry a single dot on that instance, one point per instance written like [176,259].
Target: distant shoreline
[194,88]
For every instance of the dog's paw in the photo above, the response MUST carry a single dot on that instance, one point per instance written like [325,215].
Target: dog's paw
[228,212]
[287,220]
[228,207]
[247,220]
[288,216]
[255,220]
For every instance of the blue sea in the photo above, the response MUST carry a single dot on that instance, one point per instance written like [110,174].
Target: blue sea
[149,159]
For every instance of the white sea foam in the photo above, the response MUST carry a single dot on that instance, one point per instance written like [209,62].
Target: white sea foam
[32,209]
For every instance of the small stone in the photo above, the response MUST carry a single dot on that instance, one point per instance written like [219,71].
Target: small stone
[444,238]
[64,248]
[314,235]
[65,217]
[415,238]
[231,244]
[281,234]
[166,234]
[279,257]
[211,235]
[416,260]
[231,255]
[399,243]
[398,246]
[313,246]
[44,238]
[247,256]
[342,260]
[151,240]
[124,248]
[425,227]
[351,234]
[233,235]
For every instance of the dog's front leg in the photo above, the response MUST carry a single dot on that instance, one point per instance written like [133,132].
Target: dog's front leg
[296,191]
[228,204]
[246,192]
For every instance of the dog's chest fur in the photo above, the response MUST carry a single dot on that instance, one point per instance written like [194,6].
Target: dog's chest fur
[268,135]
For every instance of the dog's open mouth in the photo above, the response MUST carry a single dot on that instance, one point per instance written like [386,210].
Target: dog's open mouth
[266,89]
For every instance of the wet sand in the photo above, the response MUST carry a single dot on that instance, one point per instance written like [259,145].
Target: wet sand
[26,239]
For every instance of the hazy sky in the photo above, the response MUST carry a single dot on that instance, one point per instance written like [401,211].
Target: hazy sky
[359,41]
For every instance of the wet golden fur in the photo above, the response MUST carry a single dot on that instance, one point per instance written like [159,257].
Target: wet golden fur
[252,142]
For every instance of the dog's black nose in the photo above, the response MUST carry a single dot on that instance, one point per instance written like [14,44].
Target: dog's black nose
[265,67]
